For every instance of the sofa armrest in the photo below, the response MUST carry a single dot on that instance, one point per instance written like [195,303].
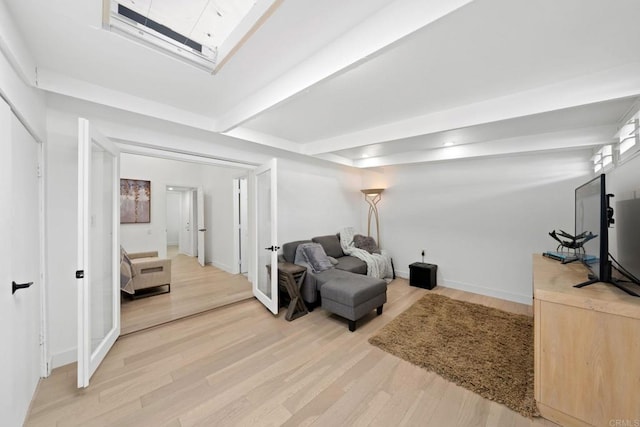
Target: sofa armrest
[150,265]
[149,254]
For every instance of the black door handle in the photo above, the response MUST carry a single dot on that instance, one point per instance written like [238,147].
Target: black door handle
[202,229]
[273,248]
[15,286]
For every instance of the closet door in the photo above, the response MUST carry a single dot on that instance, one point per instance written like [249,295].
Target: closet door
[20,264]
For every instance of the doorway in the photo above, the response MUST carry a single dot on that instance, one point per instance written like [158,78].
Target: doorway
[182,230]
[180,190]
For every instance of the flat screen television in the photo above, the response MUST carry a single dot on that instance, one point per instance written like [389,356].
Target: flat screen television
[594,216]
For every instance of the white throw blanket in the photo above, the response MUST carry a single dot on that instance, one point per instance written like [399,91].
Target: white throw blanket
[378,265]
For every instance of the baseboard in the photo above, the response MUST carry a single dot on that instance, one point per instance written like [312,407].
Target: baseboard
[475,289]
[221,266]
[64,358]
[495,293]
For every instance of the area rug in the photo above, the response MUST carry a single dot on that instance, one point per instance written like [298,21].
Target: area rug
[483,349]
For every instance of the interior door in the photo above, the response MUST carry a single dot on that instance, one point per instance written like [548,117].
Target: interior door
[98,249]
[265,286]
[202,230]
[20,234]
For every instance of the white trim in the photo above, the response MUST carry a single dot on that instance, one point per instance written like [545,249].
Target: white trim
[235,269]
[143,149]
[45,368]
[480,290]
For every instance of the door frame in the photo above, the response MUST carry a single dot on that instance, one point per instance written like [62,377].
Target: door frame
[45,365]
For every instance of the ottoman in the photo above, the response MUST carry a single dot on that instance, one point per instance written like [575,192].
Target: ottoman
[353,297]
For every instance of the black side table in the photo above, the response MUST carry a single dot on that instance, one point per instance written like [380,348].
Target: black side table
[423,275]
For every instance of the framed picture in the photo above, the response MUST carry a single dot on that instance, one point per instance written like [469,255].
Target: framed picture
[135,201]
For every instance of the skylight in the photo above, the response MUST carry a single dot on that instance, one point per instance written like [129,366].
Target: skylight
[201,32]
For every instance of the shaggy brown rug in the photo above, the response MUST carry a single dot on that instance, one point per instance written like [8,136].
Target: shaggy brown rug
[483,349]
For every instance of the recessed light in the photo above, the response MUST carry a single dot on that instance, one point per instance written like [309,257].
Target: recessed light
[448,143]
[170,188]
[365,156]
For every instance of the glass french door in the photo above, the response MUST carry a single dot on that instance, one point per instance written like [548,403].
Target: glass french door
[98,249]
[265,286]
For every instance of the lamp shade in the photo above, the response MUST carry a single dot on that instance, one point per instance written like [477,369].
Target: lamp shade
[372,192]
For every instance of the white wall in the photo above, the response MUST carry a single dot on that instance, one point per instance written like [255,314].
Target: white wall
[216,182]
[173,217]
[315,200]
[480,220]
[61,236]
[161,172]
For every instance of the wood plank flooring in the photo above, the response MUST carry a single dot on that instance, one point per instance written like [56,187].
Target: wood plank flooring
[240,365]
[194,289]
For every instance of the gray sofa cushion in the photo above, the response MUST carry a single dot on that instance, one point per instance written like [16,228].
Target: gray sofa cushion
[315,257]
[289,250]
[352,264]
[331,245]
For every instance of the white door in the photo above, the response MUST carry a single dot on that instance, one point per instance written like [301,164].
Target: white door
[20,233]
[98,249]
[240,215]
[265,287]
[202,230]
[186,232]
[244,241]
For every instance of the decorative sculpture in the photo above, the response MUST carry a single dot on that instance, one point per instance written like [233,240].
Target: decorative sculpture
[573,242]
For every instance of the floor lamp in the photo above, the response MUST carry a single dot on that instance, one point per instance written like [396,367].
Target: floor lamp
[372,196]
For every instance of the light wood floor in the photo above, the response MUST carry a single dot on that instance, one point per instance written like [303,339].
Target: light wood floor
[240,365]
[194,289]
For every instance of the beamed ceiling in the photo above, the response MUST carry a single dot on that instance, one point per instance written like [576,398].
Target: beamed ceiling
[369,82]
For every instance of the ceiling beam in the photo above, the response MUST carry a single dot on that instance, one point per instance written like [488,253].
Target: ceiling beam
[399,19]
[611,84]
[565,140]
[52,81]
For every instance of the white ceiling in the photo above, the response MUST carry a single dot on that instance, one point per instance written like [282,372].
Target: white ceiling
[370,82]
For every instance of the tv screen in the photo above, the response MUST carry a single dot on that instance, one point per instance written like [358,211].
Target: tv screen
[592,219]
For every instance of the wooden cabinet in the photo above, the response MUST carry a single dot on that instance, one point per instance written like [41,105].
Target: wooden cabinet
[587,348]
